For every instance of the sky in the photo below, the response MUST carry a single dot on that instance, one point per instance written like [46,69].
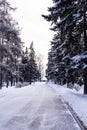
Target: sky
[34,27]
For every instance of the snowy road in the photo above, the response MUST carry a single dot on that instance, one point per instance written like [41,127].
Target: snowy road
[36,107]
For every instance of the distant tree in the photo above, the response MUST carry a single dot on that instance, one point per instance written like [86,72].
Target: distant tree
[39,61]
[33,74]
[29,69]
[24,68]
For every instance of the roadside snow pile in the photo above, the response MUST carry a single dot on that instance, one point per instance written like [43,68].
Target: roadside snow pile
[76,99]
[22,84]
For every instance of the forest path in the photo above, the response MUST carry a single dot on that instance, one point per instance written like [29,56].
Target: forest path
[36,107]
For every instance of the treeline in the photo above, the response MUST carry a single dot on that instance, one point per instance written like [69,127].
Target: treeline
[31,69]
[12,57]
[67,58]
[10,45]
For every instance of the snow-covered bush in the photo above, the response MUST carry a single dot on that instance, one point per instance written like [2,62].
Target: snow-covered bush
[77,87]
[18,85]
[25,84]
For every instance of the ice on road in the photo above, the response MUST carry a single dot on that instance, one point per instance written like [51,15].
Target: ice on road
[36,107]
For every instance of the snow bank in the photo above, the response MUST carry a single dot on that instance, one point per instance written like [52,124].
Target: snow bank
[76,100]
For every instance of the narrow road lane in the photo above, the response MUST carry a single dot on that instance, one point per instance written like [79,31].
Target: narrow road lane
[41,109]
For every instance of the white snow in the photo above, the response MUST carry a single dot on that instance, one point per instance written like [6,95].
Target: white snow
[76,99]
[79,57]
[36,107]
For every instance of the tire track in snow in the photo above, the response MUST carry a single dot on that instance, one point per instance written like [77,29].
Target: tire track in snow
[43,111]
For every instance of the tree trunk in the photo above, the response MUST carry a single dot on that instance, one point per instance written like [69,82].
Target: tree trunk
[85,49]
[7,84]
[85,81]
[11,81]
[1,80]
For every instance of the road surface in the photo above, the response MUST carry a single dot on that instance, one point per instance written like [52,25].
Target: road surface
[36,107]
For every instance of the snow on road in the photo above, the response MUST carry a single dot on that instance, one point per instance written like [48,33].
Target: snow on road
[36,107]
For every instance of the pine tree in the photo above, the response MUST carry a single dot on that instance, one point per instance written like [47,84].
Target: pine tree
[39,62]
[29,69]
[82,25]
[69,22]
[10,44]
[24,69]
[33,74]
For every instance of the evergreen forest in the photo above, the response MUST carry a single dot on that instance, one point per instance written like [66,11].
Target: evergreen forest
[67,58]
[16,64]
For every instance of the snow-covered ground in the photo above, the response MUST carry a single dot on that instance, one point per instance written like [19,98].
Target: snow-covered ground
[76,99]
[35,107]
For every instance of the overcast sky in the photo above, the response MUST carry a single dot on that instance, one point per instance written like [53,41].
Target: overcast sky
[34,27]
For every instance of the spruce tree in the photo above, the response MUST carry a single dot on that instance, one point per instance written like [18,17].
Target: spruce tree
[29,69]
[24,68]
[68,20]
[10,45]
[40,67]
[33,73]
